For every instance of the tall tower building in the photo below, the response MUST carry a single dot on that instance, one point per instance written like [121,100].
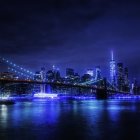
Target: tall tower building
[90,72]
[98,73]
[69,72]
[126,80]
[43,74]
[43,79]
[112,69]
[120,76]
[54,74]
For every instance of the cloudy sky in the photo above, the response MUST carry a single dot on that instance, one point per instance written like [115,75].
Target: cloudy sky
[71,33]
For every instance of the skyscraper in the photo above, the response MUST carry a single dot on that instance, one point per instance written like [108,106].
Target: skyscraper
[126,80]
[69,72]
[98,73]
[37,76]
[112,70]
[90,72]
[43,79]
[43,74]
[53,75]
[85,78]
[120,76]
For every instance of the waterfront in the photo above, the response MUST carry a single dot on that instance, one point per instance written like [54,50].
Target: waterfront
[55,119]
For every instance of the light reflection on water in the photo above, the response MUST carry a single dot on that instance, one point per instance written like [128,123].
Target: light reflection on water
[3,115]
[73,119]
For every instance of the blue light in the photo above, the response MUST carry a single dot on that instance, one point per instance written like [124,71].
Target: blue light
[45,95]
[120,96]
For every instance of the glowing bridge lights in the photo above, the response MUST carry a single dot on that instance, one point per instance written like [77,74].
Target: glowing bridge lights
[20,71]
[45,95]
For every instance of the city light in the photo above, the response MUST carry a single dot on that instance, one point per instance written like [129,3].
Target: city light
[45,95]
[118,81]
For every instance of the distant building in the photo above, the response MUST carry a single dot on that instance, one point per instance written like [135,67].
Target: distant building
[53,75]
[69,72]
[126,80]
[120,76]
[57,76]
[37,76]
[40,76]
[90,72]
[8,75]
[50,75]
[135,87]
[43,79]
[76,78]
[70,76]
[112,70]
[43,74]
[85,78]
[98,73]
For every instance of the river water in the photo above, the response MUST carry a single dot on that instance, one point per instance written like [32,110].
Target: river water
[71,119]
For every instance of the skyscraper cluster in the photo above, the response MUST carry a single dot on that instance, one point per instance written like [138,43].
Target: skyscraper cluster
[119,75]
[71,77]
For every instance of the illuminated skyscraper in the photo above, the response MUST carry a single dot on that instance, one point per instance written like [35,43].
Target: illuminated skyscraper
[43,79]
[112,70]
[43,74]
[37,76]
[53,75]
[98,73]
[90,72]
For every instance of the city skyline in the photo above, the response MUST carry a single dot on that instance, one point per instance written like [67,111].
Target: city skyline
[111,74]
[76,34]
[69,69]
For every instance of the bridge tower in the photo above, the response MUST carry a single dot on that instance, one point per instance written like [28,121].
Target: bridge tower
[112,70]
[101,93]
[43,79]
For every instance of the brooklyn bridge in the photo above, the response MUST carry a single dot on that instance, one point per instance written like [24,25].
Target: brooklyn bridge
[100,87]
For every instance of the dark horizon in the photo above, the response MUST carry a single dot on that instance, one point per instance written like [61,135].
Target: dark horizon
[76,33]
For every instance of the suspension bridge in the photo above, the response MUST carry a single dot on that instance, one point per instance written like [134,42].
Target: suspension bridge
[101,87]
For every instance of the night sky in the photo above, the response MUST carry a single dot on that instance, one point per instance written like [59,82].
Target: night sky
[71,33]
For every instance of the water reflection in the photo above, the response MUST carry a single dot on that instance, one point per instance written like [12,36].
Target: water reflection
[3,116]
[73,119]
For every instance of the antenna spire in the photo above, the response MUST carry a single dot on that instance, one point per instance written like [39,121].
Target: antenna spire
[112,55]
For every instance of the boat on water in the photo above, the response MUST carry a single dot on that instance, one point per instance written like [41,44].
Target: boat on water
[6,101]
